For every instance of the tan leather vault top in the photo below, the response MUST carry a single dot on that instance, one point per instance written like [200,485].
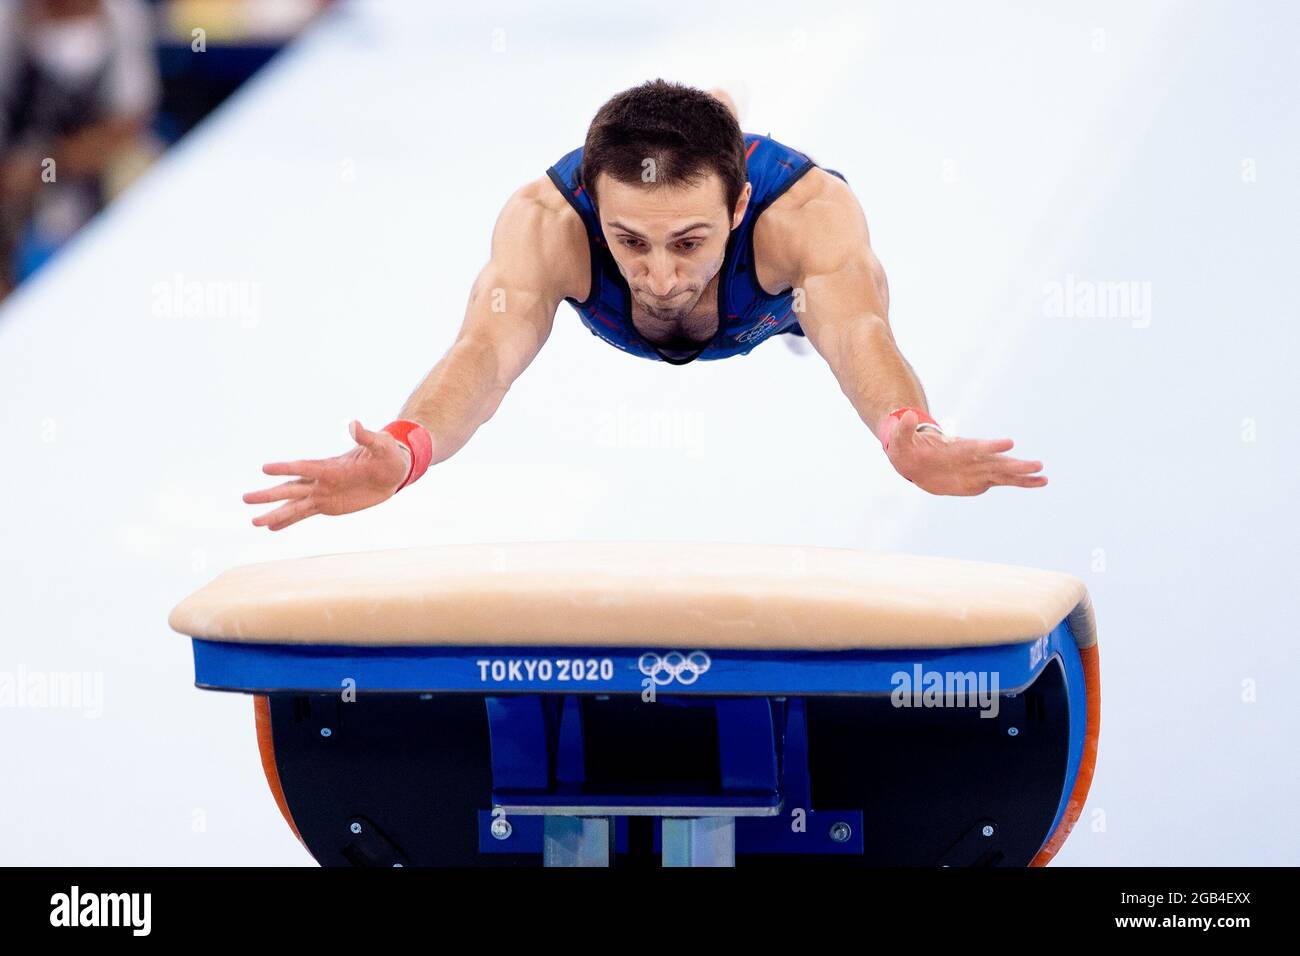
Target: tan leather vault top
[633,594]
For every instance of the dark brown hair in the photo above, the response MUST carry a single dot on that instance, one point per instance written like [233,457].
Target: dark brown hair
[687,133]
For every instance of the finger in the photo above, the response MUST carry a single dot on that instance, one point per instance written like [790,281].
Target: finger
[293,519]
[290,489]
[990,447]
[1020,481]
[362,435]
[308,468]
[906,430]
[286,515]
[1015,466]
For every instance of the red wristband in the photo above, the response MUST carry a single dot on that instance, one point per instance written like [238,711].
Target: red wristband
[417,438]
[897,416]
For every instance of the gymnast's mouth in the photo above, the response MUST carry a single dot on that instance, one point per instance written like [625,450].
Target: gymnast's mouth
[662,305]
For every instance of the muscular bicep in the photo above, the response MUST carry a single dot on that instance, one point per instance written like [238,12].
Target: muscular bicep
[513,300]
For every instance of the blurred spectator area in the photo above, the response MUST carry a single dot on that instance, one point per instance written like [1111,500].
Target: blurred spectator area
[241,36]
[98,89]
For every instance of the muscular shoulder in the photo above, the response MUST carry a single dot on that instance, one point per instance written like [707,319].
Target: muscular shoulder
[815,226]
[538,222]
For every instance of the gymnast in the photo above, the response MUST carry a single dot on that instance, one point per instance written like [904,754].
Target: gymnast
[665,231]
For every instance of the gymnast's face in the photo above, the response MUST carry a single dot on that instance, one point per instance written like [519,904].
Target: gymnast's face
[668,241]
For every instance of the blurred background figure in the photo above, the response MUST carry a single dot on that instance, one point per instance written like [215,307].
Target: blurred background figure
[91,91]
[79,83]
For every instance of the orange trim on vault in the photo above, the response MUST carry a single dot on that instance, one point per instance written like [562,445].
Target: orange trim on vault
[1074,807]
[266,747]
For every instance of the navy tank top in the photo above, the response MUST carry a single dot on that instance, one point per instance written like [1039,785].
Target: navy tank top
[747,315]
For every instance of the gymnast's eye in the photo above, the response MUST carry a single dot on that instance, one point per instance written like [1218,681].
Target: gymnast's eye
[692,243]
[631,243]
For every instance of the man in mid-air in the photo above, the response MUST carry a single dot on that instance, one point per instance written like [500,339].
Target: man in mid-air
[676,238]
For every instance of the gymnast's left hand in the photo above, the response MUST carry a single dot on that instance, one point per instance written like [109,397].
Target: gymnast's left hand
[946,465]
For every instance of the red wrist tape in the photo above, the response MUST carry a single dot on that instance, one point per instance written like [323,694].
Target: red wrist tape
[417,438]
[897,416]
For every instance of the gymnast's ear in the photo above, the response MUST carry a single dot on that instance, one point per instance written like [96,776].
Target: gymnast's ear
[742,203]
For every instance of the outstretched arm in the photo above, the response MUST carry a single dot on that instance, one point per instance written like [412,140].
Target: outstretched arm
[509,316]
[842,301]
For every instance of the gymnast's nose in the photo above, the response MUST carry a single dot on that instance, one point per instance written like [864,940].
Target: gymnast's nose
[661,275]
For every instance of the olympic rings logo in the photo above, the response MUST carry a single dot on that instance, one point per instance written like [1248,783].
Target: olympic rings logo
[674,666]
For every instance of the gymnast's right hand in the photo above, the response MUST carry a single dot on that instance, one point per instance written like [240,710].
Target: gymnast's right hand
[367,475]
